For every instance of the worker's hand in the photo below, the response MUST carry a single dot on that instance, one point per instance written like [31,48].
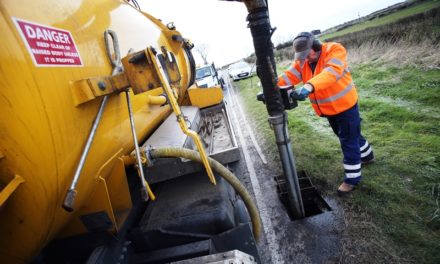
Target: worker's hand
[302,92]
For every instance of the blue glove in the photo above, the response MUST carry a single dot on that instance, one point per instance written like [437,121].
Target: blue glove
[303,92]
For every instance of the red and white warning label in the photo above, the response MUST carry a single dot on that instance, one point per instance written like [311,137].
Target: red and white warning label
[49,46]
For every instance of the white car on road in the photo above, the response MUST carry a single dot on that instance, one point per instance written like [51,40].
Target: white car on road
[240,70]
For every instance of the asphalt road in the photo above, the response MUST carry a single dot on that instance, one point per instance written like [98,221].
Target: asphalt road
[314,239]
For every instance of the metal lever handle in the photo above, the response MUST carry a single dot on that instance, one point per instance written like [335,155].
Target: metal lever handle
[71,193]
[146,190]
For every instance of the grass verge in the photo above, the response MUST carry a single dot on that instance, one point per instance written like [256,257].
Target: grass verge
[400,193]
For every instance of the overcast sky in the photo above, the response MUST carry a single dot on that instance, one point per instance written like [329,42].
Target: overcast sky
[221,26]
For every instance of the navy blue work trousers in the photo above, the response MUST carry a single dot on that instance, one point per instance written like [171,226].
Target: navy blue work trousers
[355,148]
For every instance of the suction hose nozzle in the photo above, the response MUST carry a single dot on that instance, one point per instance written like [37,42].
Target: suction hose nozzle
[224,173]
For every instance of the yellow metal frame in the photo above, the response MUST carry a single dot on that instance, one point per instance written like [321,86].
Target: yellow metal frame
[204,97]
[88,89]
[111,195]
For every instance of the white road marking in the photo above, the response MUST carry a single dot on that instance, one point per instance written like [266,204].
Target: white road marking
[268,227]
[248,127]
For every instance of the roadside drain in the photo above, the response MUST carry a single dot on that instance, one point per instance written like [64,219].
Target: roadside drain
[313,202]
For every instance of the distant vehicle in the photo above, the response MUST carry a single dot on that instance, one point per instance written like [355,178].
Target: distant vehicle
[240,70]
[207,76]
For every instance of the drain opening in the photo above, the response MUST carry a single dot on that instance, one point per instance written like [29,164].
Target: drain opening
[313,203]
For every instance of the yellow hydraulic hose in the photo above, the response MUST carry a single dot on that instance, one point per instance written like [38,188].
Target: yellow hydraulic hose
[223,172]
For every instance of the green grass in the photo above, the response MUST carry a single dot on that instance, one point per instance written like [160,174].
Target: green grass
[410,84]
[401,119]
[417,9]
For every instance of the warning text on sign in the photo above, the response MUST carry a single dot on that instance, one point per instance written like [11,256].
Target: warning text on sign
[49,46]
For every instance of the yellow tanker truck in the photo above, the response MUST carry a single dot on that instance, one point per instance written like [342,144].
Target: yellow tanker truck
[109,153]
[103,137]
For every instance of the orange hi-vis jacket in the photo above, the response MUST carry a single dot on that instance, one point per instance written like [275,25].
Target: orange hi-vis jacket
[334,90]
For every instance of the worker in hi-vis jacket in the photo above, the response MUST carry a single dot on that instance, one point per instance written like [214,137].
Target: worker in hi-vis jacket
[327,82]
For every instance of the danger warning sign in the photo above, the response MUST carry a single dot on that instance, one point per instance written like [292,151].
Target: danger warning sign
[48,46]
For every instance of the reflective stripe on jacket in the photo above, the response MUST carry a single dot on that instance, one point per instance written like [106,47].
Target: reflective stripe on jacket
[334,91]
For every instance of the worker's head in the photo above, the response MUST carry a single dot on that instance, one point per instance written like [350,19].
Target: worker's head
[305,46]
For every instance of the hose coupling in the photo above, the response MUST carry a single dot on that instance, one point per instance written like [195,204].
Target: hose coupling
[258,17]
[146,154]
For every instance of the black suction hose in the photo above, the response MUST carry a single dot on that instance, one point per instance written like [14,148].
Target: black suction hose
[261,31]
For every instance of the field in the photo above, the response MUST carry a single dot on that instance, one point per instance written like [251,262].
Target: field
[396,16]
[394,217]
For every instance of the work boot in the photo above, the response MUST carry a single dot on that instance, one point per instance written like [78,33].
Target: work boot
[368,159]
[366,162]
[345,189]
